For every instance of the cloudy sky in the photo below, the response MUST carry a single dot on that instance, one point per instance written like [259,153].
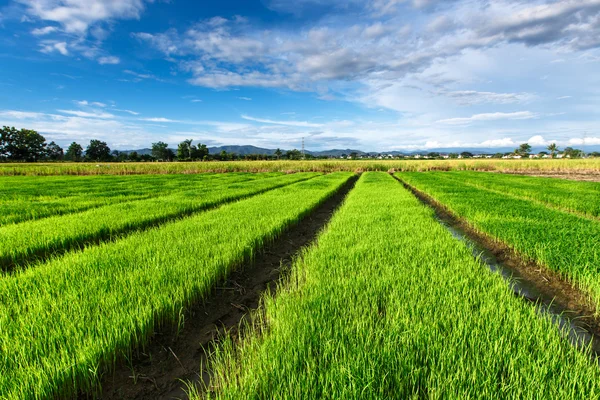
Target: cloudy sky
[363,74]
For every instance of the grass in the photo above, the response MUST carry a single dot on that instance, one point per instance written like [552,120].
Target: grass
[388,305]
[24,198]
[575,196]
[561,241]
[64,322]
[332,165]
[29,241]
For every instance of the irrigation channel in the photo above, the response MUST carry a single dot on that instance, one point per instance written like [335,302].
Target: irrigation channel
[178,355]
[567,306]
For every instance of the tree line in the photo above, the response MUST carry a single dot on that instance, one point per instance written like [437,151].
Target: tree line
[29,146]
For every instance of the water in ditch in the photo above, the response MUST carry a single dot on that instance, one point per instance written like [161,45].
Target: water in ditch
[577,333]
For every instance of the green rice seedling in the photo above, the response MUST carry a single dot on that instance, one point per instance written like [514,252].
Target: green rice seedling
[24,198]
[561,241]
[39,239]
[66,321]
[575,196]
[388,305]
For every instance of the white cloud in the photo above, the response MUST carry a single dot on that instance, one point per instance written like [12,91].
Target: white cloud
[76,16]
[44,31]
[159,119]
[88,103]
[286,123]
[54,46]
[109,60]
[489,117]
[126,111]
[78,113]
[588,141]
[245,98]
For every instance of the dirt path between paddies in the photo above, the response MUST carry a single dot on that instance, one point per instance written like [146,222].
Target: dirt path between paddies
[172,357]
[569,306]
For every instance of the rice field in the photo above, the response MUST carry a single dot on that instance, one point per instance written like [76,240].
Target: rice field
[106,268]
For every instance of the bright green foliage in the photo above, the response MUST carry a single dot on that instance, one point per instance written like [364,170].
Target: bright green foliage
[388,305]
[25,241]
[564,242]
[581,197]
[26,197]
[62,322]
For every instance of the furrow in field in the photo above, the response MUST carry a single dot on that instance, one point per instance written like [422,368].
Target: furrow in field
[581,198]
[62,323]
[34,241]
[561,242]
[389,305]
[175,353]
[32,198]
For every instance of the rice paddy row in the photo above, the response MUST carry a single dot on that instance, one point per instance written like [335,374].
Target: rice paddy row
[575,196]
[27,198]
[563,242]
[67,320]
[388,304]
[28,241]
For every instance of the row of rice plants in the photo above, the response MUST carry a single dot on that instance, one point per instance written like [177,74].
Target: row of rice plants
[561,241]
[388,304]
[575,196]
[23,243]
[29,197]
[62,322]
[330,165]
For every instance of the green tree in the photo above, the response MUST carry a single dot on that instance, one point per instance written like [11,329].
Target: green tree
[466,154]
[184,150]
[21,145]
[573,153]
[200,152]
[133,156]
[97,151]
[278,153]
[523,150]
[293,154]
[74,152]
[54,152]
[161,151]
[453,155]
[553,149]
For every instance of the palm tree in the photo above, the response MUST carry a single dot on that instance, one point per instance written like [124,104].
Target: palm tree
[278,153]
[553,149]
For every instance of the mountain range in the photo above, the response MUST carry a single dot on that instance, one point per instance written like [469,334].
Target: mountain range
[247,150]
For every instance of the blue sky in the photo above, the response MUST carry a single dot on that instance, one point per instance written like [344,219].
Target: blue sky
[372,74]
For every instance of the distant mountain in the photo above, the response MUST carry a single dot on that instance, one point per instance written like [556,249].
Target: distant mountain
[242,150]
[247,150]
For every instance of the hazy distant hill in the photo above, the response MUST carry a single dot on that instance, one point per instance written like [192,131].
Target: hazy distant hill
[246,150]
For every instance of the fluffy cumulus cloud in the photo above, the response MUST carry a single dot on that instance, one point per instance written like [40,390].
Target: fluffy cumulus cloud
[77,16]
[223,53]
[73,21]
[444,73]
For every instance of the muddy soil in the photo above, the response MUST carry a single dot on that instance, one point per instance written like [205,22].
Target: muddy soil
[555,293]
[171,358]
